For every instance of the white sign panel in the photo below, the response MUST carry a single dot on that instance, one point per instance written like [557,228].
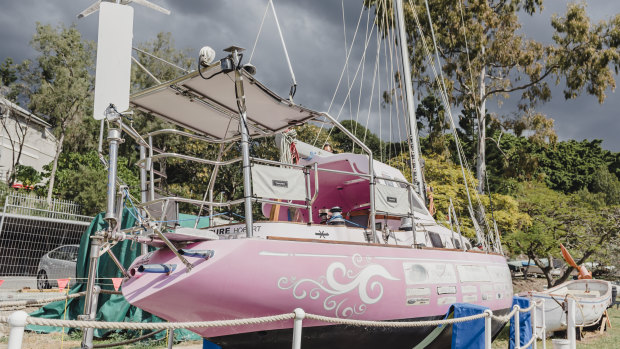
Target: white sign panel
[113,58]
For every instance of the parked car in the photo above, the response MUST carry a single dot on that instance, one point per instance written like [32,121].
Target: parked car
[58,263]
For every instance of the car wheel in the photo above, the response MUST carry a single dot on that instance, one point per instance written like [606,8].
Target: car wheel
[42,281]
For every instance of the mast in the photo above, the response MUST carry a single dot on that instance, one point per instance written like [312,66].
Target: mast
[414,151]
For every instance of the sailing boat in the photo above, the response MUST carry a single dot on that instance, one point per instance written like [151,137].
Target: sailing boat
[385,259]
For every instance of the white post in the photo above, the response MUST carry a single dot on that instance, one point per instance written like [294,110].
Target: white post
[517,329]
[533,322]
[17,322]
[300,314]
[570,319]
[544,326]
[170,338]
[488,331]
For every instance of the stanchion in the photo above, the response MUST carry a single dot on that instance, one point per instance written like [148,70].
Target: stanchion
[570,319]
[170,338]
[533,322]
[17,322]
[517,328]
[488,331]
[300,314]
[544,326]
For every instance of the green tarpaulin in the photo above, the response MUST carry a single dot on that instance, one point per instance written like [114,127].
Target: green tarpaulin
[111,307]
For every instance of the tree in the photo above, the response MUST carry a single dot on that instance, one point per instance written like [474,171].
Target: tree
[575,220]
[483,55]
[15,129]
[59,85]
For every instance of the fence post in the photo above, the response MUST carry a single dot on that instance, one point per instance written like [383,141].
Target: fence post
[544,326]
[488,331]
[570,319]
[300,314]
[170,338]
[517,327]
[533,318]
[6,201]
[17,322]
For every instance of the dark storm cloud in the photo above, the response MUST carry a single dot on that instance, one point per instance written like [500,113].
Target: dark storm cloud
[313,31]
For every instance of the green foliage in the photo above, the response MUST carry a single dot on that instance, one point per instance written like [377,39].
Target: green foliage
[447,182]
[82,178]
[27,175]
[8,72]
[607,184]
[578,221]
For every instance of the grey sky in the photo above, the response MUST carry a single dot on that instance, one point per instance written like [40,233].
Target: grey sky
[313,31]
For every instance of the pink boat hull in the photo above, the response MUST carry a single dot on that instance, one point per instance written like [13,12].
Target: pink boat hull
[260,277]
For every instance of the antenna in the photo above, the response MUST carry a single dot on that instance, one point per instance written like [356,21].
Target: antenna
[95,7]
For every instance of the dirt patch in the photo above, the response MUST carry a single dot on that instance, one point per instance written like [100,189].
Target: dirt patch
[531,284]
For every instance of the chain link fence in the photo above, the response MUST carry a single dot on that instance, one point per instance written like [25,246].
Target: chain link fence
[39,240]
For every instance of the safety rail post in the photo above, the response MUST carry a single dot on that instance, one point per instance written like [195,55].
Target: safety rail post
[300,314]
[17,323]
[544,326]
[570,319]
[488,331]
[170,338]
[517,325]
[533,319]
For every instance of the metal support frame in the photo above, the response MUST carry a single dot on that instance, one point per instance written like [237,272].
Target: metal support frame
[114,138]
[87,339]
[245,144]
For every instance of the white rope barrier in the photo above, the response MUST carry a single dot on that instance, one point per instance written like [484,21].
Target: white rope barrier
[35,302]
[397,324]
[19,319]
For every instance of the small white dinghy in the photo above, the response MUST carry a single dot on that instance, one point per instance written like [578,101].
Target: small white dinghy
[592,298]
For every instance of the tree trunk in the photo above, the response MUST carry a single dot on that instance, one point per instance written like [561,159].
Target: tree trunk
[50,188]
[481,167]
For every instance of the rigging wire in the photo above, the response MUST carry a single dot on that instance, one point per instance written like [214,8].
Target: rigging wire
[359,97]
[346,63]
[354,79]
[259,31]
[288,60]
[444,97]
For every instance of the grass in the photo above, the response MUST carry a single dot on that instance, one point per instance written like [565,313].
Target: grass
[609,340]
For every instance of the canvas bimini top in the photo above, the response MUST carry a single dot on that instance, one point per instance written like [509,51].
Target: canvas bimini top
[207,104]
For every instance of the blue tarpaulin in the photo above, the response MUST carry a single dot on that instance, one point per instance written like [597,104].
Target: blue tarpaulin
[469,334]
[525,322]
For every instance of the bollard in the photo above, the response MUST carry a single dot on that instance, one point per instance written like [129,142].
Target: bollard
[488,331]
[300,314]
[570,319]
[170,338]
[517,327]
[533,322]
[17,322]
[544,326]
